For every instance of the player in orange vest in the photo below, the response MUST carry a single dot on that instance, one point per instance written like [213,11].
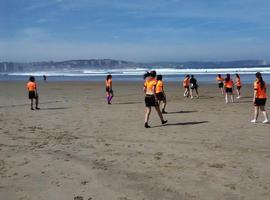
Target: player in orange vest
[150,97]
[186,86]
[220,81]
[228,84]
[238,85]
[32,92]
[259,98]
[109,91]
[160,94]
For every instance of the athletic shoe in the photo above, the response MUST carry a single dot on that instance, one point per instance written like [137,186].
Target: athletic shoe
[164,122]
[265,121]
[253,121]
[146,125]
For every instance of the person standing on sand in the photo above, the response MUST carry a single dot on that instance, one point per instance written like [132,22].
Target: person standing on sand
[220,81]
[109,91]
[193,86]
[259,98]
[150,97]
[238,85]
[32,92]
[160,94]
[186,86]
[228,84]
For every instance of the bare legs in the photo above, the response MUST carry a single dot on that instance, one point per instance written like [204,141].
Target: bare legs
[32,103]
[226,97]
[164,103]
[222,90]
[197,93]
[238,94]
[147,114]
[187,92]
[146,118]
[256,114]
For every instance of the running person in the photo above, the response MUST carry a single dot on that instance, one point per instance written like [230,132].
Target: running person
[160,94]
[150,97]
[32,92]
[259,98]
[238,86]
[193,86]
[109,91]
[186,86]
[220,81]
[228,84]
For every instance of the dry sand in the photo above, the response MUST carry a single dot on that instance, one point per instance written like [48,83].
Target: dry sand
[78,147]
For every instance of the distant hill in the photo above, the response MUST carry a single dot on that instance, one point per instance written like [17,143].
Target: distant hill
[118,64]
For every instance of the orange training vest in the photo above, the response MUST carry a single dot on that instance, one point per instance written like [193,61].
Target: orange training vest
[31,86]
[159,87]
[261,92]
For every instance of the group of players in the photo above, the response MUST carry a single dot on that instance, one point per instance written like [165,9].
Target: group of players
[259,94]
[156,97]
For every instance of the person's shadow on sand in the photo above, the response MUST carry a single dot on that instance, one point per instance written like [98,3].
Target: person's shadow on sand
[182,111]
[56,108]
[180,124]
[129,103]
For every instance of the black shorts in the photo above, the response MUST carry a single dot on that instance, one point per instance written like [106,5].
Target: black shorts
[150,100]
[32,95]
[186,87]
[194,87]
[228,90]
[238,87]
[260,102]
[160,96]
[220,85]
[108,89]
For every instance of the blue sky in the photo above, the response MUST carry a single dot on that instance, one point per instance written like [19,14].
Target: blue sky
[135,30]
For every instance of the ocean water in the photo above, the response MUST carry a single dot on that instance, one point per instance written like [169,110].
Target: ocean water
[169,74]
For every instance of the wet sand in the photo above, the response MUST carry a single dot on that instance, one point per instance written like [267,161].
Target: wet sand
[78,147]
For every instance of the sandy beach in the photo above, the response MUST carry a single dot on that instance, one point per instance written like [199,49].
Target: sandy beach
[78,147]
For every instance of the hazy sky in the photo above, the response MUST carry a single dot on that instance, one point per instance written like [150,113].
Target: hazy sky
[135,30]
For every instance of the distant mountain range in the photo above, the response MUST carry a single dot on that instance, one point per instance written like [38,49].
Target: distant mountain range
[119,64]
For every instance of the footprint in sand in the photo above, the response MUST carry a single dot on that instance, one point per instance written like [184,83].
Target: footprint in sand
[232,186]
[78,198]
[217,165]
[84,182]
[25,162]
[158,155]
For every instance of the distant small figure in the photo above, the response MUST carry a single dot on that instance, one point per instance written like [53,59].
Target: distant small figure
[238,86]
[160,94]
[228,84]
[193,86]
[44,78]
[32,92]
[259,98]
[109,90]
[186,86]
[220,81]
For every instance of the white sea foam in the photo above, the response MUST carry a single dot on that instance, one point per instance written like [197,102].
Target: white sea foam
[141,71]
